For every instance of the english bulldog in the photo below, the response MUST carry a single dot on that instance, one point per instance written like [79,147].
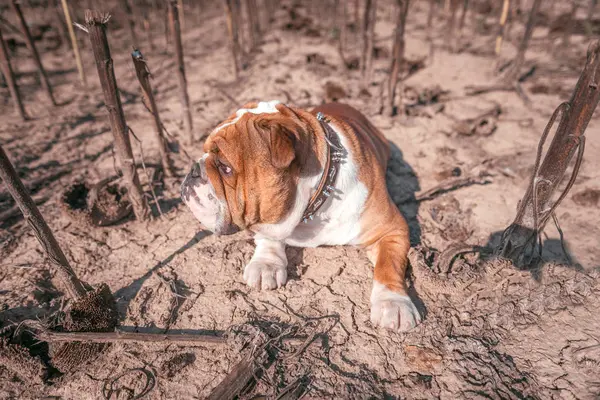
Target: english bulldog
[305,178]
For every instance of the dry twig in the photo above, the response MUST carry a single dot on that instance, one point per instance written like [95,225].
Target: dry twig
[74,43]
[31,46]
[96,26]
[397,58]
[368,37]
[9,75]
[502,26]
[233,29]
[143,74]
[120,336]
[183,91]
[42,232]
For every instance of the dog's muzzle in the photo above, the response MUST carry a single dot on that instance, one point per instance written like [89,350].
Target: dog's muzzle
[199,195]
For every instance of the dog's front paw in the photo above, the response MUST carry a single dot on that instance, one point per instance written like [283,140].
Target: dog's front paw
[264,275]
[392,310]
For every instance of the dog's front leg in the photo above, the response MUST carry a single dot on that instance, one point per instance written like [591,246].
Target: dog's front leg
[390,305]
[268,267]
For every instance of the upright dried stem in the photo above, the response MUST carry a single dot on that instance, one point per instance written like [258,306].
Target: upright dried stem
[62,29]
[167,30]
[342,23]
[143,75]
[515,70]
[181,13]
[452,23]
[253,23]
[430,15]
[148,29]
[463,15]
[232,28]
[74,43]
[96,26]
[129,15]
[397,57]
[536,206]
[570,25]
[368,33]
[31,46]
[72,285]
[7,71]
[183,92]
[502,26]
[590,14]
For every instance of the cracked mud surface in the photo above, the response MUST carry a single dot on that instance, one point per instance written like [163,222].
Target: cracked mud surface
[509,334]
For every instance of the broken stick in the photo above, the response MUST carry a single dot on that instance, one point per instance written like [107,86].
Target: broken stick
[31,46]
[74,44]
[232,29]
[185,98]
[9,75]
[129,15]
[515,70]
[96,26]
[42,231]
[502,26]
[253,22]
[120,336]
[520,239]
[368,37]
[397,58]
[236,380]
[143,75]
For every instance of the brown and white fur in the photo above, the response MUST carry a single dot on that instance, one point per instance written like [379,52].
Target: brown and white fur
[260,168]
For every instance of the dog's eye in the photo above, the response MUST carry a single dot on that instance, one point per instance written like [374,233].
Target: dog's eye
[225,169]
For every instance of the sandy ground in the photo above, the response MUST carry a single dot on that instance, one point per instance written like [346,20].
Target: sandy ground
[512,334]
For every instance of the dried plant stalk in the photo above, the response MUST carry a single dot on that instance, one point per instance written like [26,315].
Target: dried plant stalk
[515,69]
[397,57]
[430,15]
[590,14]
[119,336]
[143,75]
[368,33]
[96,26]
[570,25]
[183,91]
[502,26]
[519,239]
[233,384]
[8,73]
[60,24]
[253,22]
[31,46]
[343,29]
[232,28]
[452,23]
[463,15]
[129,15]
[74,43]
[72,285]
[148,29]
[181,14]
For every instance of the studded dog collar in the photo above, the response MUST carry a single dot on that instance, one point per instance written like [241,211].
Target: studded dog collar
[335,154]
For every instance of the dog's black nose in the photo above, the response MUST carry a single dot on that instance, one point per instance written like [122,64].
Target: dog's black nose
[196,170]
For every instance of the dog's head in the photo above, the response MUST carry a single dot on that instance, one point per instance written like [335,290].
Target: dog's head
[249,171]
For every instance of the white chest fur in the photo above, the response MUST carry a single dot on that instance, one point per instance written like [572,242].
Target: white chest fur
[336,223]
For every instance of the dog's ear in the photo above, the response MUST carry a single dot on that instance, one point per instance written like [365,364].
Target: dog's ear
[281,136]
